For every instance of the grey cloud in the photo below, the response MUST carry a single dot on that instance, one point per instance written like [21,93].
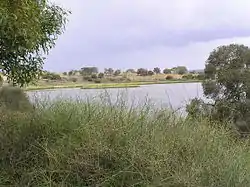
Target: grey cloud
[109,31]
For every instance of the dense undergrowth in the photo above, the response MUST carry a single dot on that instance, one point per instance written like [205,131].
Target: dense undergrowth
[79,143]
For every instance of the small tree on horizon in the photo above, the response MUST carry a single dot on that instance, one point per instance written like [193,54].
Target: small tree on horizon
[142,72]
[167,71]
[157,70]
[117,72]
[150,73]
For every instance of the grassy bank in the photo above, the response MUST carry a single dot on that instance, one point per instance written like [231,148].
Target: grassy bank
[105,85]
[49,87]
[74,143]
[131,84]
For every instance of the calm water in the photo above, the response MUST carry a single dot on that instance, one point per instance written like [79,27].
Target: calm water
[175,96]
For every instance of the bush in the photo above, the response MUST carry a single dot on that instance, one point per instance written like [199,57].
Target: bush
[100,75]
[51,76]
[169,77]
[14,98]
[188,76]
[73,79]
[91,144]
[86,78]
[98,81]
[94,76]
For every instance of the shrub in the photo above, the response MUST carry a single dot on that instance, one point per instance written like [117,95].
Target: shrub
[98,81]
[91,144]
[90,79]
[100,75]
[86,78]
[14,98]
[169,77]
[94,76]
[51,76]
[188,76]
[73,79]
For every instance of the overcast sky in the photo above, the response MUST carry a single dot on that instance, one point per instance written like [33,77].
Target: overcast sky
[147,33]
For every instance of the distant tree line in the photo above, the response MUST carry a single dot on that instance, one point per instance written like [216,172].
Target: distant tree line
[93,73]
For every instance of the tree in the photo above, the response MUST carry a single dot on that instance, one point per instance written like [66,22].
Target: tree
[108,71]
[29,29]
[100,75]
[117,72]
[167,71]
[130,71]
[142,72]
[226,83]
[88,70]
[65,73]
[180,70]
[157,70]
[150,73]
[71,72]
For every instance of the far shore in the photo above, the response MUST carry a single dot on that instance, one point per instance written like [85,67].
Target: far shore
[105,85]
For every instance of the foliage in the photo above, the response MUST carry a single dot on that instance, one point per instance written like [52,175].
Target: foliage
[88,70]
[150,73]
[29,30]
[188,76]
[167,71]
[108,71]
[98,81]
[100,75]
[94,76]
[117,72]
[96,144]
[226,83]
[65,73]
[130,71]
[72,72]
[157,70]
[201,76]
[142,72]
[73,79]
[180,70]
[14,98]
[50,76]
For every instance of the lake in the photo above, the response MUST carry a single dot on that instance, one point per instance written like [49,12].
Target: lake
[175,96]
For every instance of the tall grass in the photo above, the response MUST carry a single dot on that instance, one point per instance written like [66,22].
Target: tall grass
[80,143]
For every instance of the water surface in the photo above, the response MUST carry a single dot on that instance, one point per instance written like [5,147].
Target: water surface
[175,96]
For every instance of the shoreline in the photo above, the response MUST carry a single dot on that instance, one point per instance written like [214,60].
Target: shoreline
[107,85]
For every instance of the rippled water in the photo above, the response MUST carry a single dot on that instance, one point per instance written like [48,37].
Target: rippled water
[175,96]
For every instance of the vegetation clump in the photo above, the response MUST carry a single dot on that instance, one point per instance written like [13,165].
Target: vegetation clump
[14,98]
[226,83]
[77,143]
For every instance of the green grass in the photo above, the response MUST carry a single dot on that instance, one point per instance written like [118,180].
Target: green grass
[48,87]
[77,143]
[105,85]
[132,84]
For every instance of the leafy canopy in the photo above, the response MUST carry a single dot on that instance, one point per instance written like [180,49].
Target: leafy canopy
[227,84]
[227,75]
[29,29]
